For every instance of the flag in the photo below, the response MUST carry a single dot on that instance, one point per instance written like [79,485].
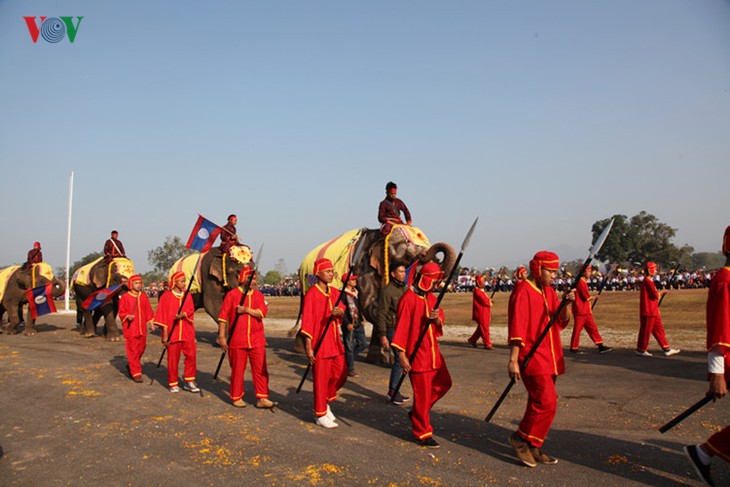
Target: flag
[40,300]
[203,235]
[100,297]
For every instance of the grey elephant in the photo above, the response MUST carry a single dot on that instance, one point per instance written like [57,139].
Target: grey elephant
[17,282]
[93,277]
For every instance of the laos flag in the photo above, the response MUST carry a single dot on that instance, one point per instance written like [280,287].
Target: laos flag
[100,297]
[203,235]
[40,301]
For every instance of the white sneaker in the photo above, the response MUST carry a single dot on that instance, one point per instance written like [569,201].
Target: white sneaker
[330,415]
[326,422]
[191,386]
[643,354]
[174,389]
[671,351]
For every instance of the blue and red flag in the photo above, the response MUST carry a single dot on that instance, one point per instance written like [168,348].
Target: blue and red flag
[203,235]
[100,297]
[40,300]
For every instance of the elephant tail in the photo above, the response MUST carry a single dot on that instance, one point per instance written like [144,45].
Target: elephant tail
[295,329]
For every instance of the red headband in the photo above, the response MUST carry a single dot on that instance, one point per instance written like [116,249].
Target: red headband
[651,267]
[243,275]
[37,245]
[132,279]
[480,280]
[322,265]
[544,260]
[175,277]
[430,273]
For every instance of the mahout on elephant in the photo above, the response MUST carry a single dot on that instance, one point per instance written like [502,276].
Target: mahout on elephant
[93,277]
[14,282]
[405,245]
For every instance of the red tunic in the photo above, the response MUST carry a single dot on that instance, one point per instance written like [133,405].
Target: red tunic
[35,256]
[168,308]
[114,248]
[529,312]
[316,311]
[481,307]
[649,298]
[582,303]
[412,316]
[137,304]
[227,237]
[390,210]
[718,313]
[249,332]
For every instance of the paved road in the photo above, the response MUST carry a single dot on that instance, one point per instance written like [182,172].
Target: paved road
[69,415]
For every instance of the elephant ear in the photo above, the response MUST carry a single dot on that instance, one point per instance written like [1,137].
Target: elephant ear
[376,257]
[98,275]
[23,279]
[216,270]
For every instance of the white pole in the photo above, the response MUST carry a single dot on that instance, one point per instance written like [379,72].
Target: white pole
[68,237]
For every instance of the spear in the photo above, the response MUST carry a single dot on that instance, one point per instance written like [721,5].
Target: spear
[591,253]
[360,246]
[603,284]
[684,415]
[182,303]
[442,293]
[243,298]
[669,284]
[499,281]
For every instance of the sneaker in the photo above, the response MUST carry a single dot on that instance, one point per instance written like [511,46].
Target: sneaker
[265,403]
[603,348]
[543,458]
[174,389]
[473,344]
[191,386]
[239,403]
[643,354]
[398,399]
[576,351]
[138,379]
[428,443]
[702,470]
[522,450]
[326,422]
[671,351]
[353,374]
[330,415]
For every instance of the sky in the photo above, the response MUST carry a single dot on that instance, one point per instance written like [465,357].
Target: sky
[538,117]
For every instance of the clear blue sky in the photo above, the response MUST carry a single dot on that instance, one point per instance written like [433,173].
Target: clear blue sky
[539,117]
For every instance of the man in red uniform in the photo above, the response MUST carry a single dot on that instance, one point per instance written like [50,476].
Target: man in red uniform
[135,312]
[178,333]
[651,320]
[247,340]
[390,209]
[530,308]
[718,364]
[328,366]
[430,378]
[113,247]
[583,316]
[35,256]
[481,312]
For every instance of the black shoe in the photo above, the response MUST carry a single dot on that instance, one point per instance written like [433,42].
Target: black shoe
[398,399]
[576,351]
[428,443]
[702,470]
[603,348]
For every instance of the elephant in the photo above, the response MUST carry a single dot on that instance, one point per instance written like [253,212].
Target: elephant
[406,245]
[209,287]
[93,277]
[14,298]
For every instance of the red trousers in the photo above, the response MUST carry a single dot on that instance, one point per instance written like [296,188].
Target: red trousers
[587,322]
[719,444]
[329,375]
[238,357]
[482,332]
[188,349]
[428,387]
[542,404]
[651,325]
[135,349]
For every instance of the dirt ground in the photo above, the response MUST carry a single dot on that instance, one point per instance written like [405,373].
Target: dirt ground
[70,415]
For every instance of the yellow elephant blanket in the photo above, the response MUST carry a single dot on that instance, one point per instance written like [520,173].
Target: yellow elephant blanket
[82,276]
[5,277]
[337,250]
[187,264]
[42,269]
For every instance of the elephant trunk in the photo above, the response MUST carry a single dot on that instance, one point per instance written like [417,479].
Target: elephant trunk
[58,288]
[448,256]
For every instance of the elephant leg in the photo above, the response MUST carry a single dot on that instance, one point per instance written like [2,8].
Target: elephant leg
[87,324]
[29,324]
[13,320]
[111,330]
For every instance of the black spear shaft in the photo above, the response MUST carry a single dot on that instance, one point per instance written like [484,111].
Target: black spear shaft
[322,335]
[240,303]
[684,415]
[499,281]
[669,284]
[182,303]
[603,284]
[594,250]
[442,293]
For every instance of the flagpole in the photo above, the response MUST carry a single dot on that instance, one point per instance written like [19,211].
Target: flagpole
[68,240]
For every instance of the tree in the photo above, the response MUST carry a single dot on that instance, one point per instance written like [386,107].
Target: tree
[640,239]
[163,257]
[708,260]
[153,276]
[272,277]
[87,259]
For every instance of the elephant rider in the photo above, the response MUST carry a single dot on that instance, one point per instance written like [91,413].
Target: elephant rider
[35,256]
[113,248]
[229,238]
[390,209]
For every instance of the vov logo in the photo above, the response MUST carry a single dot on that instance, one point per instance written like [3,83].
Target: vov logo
[53,29]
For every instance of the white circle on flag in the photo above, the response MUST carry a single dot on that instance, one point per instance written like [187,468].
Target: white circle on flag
[40,299]
[101,296]
[203,233]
